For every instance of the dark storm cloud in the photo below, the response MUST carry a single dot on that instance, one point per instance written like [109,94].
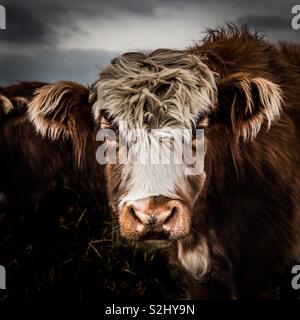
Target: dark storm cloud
[37,30]
[266,22]
[53,65]
[25,28]
[57,10]
[36,21]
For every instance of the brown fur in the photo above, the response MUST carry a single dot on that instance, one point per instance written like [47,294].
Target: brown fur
[245,224]
[246,221]
[62,110]
[31,164]
[249,211]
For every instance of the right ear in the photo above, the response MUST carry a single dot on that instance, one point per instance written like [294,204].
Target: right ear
[245,102]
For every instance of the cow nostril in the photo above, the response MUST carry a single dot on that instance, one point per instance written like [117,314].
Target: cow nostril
[133,214]
[132,211]
[172,214]
[151,222]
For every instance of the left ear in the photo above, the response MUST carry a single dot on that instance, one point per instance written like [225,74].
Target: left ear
[62,110]
[245,102]
[6,105]
[55,108]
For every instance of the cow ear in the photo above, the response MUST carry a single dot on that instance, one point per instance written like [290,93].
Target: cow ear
[246,102]
[62,110]
[6,106]
[54,106]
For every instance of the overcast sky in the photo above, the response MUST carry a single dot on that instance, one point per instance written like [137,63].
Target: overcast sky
[53,40]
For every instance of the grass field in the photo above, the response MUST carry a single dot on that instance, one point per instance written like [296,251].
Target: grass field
[64,248]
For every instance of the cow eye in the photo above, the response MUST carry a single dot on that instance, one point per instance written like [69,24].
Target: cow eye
[111,134]
[105,124]
[202,122]
[194,132]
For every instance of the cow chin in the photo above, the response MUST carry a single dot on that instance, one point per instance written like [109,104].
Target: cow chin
[157,223]
[159,244]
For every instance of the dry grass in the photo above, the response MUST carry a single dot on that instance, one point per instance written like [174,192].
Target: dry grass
[64,248]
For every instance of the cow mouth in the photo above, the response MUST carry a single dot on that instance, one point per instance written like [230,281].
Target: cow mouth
[155,236]
[160,244]
[159,239]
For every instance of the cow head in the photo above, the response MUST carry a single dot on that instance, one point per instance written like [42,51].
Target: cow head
[161,99]
[169,90]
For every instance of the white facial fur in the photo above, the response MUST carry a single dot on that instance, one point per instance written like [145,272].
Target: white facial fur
[195,260]
[129,92]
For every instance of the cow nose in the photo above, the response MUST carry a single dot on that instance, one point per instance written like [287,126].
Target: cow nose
[153,218]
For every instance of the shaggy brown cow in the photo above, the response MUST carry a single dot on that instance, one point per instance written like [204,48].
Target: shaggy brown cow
[32,165]
[234,226]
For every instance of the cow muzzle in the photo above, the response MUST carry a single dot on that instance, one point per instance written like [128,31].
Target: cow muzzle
[153,221]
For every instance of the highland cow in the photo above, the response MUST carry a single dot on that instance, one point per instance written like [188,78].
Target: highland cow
[235,226]
[32,164]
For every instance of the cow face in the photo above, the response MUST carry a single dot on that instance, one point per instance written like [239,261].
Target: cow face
[151,110]
[170,94]
[149,106]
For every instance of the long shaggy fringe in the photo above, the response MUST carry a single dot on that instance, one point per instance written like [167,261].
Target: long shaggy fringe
[163,88]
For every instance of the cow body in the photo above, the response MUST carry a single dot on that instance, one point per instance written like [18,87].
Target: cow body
[26,170]
[234,225]
[33,165]
[239,219]
[248,216]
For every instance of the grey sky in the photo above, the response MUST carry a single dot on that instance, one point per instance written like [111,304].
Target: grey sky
[53,40]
